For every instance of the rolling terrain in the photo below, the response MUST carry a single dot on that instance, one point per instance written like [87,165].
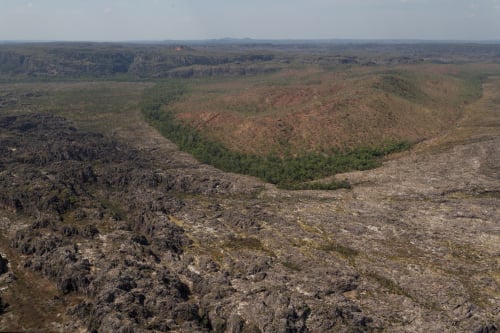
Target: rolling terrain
[107,226]
[313,110]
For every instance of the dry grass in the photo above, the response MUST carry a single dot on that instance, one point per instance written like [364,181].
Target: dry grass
[105,107]
[312,110]
[480,120]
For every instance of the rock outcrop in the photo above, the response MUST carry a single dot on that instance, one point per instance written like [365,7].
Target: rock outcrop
[103,222]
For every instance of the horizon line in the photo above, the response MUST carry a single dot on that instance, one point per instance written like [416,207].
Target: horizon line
[248,39]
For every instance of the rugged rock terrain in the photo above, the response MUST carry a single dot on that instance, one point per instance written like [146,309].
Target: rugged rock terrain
[101,221]
[132,236]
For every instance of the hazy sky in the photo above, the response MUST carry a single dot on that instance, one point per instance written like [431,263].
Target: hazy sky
[271,19]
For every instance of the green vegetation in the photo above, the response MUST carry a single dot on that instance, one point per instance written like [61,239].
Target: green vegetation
[291,266]
[472,86]
[239,243]
[388,284]
[401,86]
[118,213]
[287,172]
[343,250]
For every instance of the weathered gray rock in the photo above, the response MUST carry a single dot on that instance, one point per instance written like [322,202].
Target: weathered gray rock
[189,249]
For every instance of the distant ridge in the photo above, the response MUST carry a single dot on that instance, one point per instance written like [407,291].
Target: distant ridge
[250,41]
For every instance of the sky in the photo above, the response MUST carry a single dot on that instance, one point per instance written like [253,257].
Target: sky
[126,20]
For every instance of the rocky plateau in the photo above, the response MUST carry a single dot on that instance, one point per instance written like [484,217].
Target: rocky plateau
[102,234]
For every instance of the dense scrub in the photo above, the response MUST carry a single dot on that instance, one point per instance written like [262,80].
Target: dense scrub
[287,172]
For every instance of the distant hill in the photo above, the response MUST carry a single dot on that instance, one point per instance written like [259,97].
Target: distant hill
[219,57]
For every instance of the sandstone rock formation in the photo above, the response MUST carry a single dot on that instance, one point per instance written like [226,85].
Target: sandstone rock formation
[103,236]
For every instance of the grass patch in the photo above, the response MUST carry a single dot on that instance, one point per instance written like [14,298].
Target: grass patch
[239,243]
[402,86]
[343,250]
[388,284]
[473,194]
[103,107]
[116,209]
[291,266]
[489,194]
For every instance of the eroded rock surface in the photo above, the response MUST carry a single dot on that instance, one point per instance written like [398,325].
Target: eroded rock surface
[108,237]
[152,248]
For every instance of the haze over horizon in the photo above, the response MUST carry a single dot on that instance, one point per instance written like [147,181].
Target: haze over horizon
[127,20]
